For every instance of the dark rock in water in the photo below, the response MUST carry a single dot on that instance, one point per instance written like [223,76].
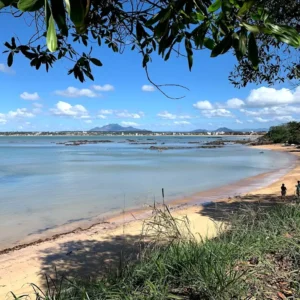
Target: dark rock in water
[83,142]
[143,143]
[216,143]
[194,142]
[261,152]
[161,148]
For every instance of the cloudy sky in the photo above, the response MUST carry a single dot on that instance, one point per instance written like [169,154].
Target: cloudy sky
[121,93]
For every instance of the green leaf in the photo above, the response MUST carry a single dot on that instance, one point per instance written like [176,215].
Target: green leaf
[190,61]
[200,16]
[253,51]
[223,46]
[68,7]
[59,15]
[215,6]
[189,51]
[243,42]
[246,7]
[209,43]
[165,16]
[30,5]
[47,13]
[139,31]
[4,3]
[77,14]
[10,59]
[51,35]
[96,62]
[252,28]
[162,14]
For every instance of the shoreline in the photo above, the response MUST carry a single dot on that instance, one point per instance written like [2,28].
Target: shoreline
[116,217]
[25,261]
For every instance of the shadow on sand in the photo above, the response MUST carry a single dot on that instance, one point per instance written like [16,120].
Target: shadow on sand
[89,258]
[221,211]
[93,258]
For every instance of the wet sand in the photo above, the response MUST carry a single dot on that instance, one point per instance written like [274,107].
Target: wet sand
[92,250]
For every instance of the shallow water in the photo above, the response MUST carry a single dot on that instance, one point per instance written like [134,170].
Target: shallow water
[44,185]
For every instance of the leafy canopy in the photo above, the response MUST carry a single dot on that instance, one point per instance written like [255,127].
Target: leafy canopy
[166,27]
[289,132]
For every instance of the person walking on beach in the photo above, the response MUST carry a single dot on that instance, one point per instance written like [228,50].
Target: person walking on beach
[298,189]
[283,191]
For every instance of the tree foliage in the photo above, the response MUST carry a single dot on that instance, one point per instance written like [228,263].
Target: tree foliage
[289,132]
[247,28]
[279,62]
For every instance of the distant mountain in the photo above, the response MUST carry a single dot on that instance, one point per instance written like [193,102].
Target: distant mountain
[117,128]
[200,130]
[224,129]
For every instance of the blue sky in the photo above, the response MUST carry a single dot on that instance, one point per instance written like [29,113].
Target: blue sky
[36,100]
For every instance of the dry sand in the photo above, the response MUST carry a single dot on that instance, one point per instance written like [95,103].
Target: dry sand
[92,251]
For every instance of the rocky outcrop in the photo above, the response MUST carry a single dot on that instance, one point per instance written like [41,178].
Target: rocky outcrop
[83,142]
[161,148]
[215,143]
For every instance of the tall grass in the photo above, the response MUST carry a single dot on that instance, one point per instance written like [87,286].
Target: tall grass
[256,257]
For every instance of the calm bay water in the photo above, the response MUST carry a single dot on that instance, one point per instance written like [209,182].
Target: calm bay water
[44,185]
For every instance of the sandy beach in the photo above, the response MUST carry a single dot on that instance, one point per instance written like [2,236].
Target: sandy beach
[93,250]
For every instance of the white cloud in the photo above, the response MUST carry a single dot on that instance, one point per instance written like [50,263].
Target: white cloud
[72,92]
[101,117]
[273,111]
[169,116]
[5,69]
[20,113]
[126,114]
[261,120]
[88,121]
[284,119]
[104,88]
[3,120]
[106,111]
[182,123]
[28,96]
[148,88]
[219,112]
[184,117]
[235,103]
[66,109]
[124,123]
[166,115]
[238,121]
[250,121]
[210,124]
[203,105]
[120,114]
[265,96]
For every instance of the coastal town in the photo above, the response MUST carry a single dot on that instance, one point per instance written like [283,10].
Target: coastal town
[129,133]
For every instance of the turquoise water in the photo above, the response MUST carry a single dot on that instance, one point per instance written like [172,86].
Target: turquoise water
[44,185]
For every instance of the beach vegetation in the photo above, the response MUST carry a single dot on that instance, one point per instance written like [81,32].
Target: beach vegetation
[255,255]
[286,133]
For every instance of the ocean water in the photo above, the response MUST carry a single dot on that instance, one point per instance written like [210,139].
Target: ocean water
[45,185]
